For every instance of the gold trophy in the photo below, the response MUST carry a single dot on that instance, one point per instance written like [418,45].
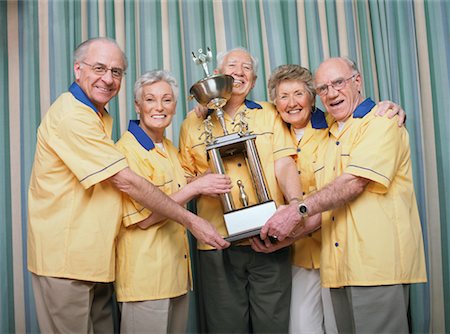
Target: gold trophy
[242,219]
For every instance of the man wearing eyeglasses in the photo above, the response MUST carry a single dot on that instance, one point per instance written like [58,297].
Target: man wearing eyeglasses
[75,198]
[372,247]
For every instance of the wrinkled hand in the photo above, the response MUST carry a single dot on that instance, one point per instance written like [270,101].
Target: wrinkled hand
[309,225]
[267,246]
[391,109]
[212,184]
[200,111]
[206,233]
[282,223]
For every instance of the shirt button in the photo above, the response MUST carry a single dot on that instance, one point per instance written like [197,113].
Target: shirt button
[185,256]
[337,143]
[179,185]
[299,172]
[239,164]
[299,150]
[336,244]
[303,193]
[332,218]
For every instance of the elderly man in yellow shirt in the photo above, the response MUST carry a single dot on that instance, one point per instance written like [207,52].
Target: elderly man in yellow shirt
[242,290]
[153,264]
[372,246]
[74,199]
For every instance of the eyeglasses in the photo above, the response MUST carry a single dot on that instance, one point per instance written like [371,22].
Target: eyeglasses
[337,84]
[101,69]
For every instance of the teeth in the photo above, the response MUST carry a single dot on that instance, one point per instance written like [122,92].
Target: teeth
[103,89]
[293,111]
[159,116]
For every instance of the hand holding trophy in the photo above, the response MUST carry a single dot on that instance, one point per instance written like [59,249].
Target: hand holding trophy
[242,218]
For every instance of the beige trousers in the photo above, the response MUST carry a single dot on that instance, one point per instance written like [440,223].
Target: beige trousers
[155,316]
[72,306]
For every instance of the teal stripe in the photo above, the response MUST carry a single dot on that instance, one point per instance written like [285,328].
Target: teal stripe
[61,45]
[381,48]
[351,33]
[30,118]
[438,29]
[234,28]
[176,53]
[194,20]
[150,36]
[315,51]
[256,47]
[332,28]
[130,51]
[274,13]
[92,22]
[113,105]
[6,254]
[366,48]
[409,91]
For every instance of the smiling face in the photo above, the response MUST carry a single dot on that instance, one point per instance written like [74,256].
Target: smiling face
[294,103]
[156,108]
[100,89]
[339,103]
[239,65]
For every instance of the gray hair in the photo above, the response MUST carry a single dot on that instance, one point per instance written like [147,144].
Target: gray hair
[80,52]
[152,77]
[222,55]
[290,72]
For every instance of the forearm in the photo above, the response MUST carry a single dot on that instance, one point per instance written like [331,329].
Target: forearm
[288,179]
[149,196]
[182,196]
[344,189]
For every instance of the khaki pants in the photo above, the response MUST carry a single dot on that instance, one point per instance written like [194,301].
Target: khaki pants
[72,306]
[155,316]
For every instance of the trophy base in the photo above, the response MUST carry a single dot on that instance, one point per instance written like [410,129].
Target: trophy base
[247,222]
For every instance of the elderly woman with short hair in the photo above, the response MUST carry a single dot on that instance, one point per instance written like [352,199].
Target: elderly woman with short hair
[153,272]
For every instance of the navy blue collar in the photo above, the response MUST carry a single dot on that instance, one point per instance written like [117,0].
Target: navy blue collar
[252,104]
[140,135]
[81,96]
[248,103]
[318,120]
[364,108]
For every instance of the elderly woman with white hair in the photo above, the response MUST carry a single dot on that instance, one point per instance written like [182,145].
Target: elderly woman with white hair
[153,272]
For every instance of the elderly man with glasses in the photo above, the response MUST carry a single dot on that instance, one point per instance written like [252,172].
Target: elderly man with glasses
[75,199]
[372,247]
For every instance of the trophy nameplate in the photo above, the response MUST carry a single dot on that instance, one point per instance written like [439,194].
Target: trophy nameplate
[243,219]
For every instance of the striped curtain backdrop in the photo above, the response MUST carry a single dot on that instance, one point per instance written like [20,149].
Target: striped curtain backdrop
[401,47]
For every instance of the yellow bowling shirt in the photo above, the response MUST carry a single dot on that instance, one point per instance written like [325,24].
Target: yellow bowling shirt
[273,142]
[377,238]
[74,217]
[153,263]
[306,251]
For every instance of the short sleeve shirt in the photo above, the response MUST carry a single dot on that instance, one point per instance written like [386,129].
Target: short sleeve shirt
[74,217]
[153,263]
[306,251]
[375,239]
[273,142]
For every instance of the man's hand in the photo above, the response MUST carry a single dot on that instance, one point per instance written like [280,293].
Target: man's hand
[206,233]
[282,223]
[267,246]
[391,109]
[200,111]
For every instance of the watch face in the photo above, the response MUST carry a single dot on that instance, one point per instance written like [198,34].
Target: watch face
[303,209]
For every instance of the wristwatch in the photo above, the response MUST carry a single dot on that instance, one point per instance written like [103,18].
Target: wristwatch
[302,210]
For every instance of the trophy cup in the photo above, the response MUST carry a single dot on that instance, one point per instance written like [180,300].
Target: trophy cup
[243,219]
